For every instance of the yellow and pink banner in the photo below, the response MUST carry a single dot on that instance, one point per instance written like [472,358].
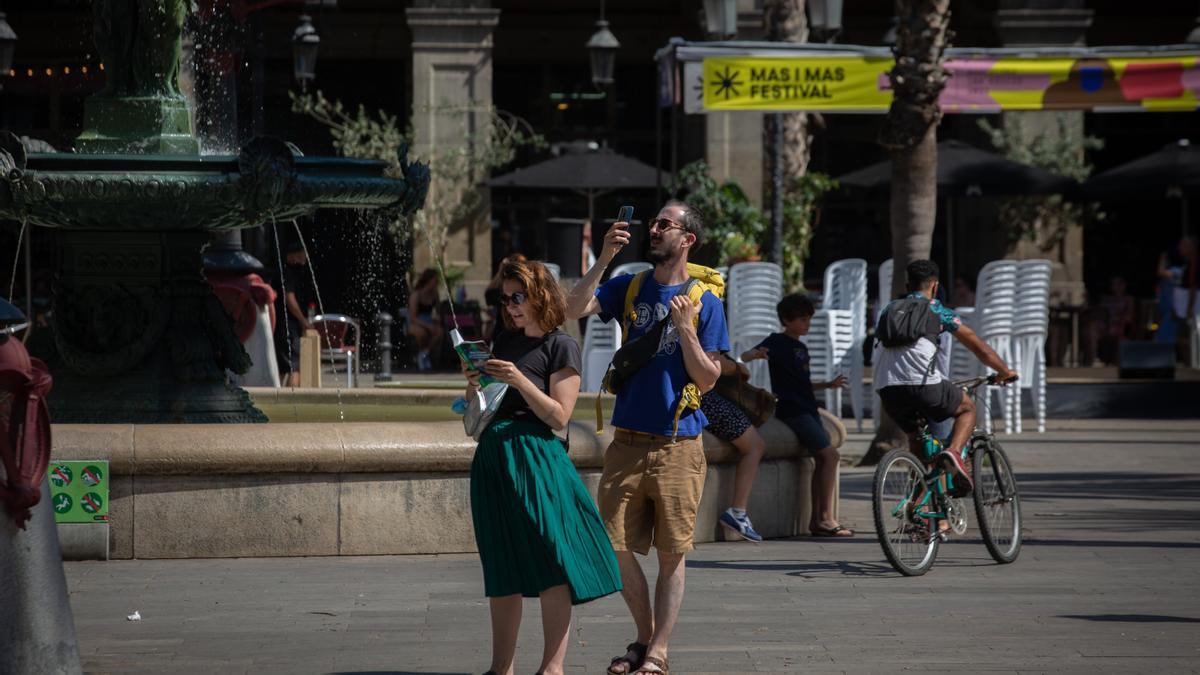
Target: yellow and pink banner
[860,83]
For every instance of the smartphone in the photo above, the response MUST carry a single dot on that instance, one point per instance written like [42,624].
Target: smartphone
[625,214]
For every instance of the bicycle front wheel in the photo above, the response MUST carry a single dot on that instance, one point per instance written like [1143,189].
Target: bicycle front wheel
[909,541]
[997,502]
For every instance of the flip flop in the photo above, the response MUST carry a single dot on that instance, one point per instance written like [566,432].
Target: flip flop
[631,666]
[839,531]
[654,666]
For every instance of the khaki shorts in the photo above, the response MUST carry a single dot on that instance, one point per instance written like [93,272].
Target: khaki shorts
[650,490]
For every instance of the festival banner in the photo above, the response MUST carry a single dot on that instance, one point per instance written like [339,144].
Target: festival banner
[977,84]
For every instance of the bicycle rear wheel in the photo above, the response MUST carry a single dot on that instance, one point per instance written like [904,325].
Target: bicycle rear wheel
[909,543]
[997,502]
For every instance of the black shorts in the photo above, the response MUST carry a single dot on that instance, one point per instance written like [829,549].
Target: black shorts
[906,402]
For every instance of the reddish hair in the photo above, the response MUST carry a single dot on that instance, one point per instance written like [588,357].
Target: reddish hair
[544,296]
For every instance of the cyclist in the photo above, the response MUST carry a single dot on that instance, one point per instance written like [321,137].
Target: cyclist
[906,374]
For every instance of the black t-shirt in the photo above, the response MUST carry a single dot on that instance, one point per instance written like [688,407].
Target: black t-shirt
[298,279]
[788,361]
[550,354]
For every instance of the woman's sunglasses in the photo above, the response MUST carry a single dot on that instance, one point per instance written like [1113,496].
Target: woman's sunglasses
[517,298]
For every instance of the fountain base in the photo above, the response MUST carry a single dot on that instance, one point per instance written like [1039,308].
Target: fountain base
[138,335]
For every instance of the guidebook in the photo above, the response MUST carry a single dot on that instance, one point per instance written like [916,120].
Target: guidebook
[474,353]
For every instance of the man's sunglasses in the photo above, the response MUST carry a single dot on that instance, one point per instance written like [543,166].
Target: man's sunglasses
[663,224]
[517,299]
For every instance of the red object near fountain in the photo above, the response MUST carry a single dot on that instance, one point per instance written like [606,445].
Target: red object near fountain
[24,428]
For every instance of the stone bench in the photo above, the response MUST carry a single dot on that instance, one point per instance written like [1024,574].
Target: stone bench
[297,489]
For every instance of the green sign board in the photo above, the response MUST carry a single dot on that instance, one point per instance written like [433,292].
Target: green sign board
[79,491]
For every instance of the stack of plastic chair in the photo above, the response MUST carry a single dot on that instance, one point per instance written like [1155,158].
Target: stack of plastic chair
[599,344]
[885,288]
[963,364]
[1030,324]
[829,340]
[882,298]
[751,295]
[630,268]
[995,308]
[846,289]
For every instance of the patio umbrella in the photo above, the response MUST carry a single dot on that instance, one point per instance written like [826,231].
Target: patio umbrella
[963,170]
[1175,167]
[589,173]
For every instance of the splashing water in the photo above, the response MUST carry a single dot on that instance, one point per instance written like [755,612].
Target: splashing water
[287,325]
[437,260]
[12,283]
[321,306]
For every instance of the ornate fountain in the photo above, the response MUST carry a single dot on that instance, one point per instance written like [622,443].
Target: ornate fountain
[138,335]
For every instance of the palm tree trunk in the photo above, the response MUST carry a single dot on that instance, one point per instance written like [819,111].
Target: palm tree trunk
[910,135]
[785,21]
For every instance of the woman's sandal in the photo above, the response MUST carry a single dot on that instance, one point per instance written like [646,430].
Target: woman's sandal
[653,666]
[631,666]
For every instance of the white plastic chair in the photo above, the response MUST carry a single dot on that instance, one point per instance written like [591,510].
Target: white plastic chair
[629,268]
[553,268]
[1031,322]
[995,307]
[846,289]
[340,335]
[599,344]
[751,294]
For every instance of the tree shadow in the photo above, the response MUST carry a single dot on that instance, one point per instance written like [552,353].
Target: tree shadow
[1131,618]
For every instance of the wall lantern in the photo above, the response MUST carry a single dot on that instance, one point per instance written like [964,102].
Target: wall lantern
[305,43]
[720,18]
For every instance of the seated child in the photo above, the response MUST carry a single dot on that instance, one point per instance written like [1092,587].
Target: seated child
[787,358]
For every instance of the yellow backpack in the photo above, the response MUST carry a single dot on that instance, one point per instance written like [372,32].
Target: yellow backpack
[701,279]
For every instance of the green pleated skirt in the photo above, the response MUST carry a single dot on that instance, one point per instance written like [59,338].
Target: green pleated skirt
[536,525]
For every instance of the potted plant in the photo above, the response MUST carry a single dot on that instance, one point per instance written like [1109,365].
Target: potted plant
[736,248]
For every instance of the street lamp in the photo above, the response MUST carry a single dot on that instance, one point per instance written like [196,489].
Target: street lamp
[825,18]
[602,51]
[720,18]
[305,43]
[8,44]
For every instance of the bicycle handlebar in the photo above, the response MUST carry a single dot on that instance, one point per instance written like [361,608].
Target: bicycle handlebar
[975,382]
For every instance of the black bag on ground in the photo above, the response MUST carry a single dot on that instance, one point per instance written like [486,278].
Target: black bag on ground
[907,320]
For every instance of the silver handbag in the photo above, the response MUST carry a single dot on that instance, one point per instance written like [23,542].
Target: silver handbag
[482,407]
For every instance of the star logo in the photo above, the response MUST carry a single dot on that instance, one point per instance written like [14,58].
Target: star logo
[727,83]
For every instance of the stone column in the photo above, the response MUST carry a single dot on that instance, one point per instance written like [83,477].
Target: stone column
[1043,23]
[452,88]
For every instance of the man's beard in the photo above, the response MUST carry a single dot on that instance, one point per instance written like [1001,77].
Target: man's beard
[659,256]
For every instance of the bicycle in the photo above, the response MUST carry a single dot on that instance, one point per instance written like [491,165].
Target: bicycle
[910,500]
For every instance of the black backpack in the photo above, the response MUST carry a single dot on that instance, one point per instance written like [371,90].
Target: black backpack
[907,320]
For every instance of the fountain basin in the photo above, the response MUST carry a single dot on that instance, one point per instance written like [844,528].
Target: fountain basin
[269,179]
[299,489]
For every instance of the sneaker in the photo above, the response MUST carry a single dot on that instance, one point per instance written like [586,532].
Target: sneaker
[740,526]
[961,483]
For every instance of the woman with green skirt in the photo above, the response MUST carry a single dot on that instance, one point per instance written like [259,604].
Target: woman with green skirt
[537,527]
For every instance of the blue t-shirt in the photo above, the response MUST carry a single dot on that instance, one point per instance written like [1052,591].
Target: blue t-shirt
[791,381]
[648,400]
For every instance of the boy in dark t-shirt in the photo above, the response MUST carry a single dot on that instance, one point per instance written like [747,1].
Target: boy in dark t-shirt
[788,361]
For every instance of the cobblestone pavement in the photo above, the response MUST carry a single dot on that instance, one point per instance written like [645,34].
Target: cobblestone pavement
[1108,581]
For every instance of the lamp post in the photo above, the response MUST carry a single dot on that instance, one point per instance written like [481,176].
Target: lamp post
[305,43]
[720,19]
[825,18]
[602,52]
[8,45]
